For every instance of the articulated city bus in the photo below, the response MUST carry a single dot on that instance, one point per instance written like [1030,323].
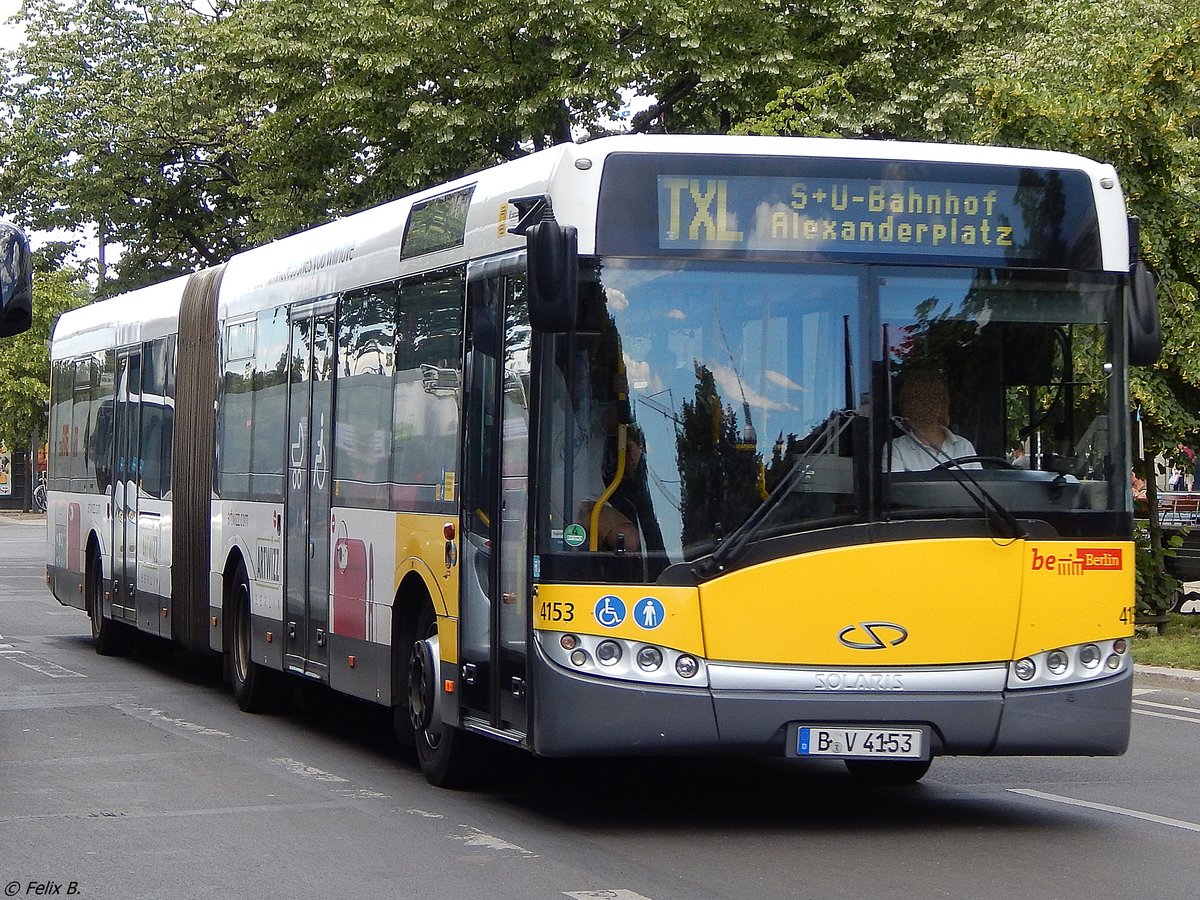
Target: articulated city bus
[648,445]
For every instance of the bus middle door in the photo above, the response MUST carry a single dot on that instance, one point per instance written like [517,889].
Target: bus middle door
[307,504]
[126,440]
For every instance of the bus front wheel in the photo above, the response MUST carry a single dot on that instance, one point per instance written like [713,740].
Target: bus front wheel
[448,756]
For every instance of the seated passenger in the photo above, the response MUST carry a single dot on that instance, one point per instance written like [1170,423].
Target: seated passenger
[925,407]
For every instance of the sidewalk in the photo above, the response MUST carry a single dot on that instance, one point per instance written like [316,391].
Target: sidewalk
[1166,677]
[24,518]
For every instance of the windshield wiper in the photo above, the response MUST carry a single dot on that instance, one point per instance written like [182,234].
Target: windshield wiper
[993,510]
[741,537]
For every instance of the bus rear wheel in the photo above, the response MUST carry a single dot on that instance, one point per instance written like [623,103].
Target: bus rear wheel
[891,771]
[110,638]
[449,757]
[253,684]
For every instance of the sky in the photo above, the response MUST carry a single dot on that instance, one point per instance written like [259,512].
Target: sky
[10,36]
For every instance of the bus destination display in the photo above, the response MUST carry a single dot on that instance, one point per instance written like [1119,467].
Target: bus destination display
[843,215]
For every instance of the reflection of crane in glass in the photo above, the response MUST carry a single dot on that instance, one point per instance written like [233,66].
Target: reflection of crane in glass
[667,412]
[749,437]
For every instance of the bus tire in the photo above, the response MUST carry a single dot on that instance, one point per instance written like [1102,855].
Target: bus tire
[253,684]
[888,771]
[449,757]
[109,637]
[403,637]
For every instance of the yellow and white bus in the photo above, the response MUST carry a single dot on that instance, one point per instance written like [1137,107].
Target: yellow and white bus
[647,445]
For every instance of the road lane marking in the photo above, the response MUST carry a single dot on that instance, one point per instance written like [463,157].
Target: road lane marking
[617,894]
[1187,709]
[21,658]
[422,813]
[298,768]
[272,809]
[1168,715]
[361,794]
[476,838]
[1104,807]
[160,716]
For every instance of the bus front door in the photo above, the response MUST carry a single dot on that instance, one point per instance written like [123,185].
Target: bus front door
[495,573]
[307,505]
[126,441]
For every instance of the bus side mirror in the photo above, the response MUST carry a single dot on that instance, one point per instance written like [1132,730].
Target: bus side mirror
[1145,328]
[16,281]
[553,268]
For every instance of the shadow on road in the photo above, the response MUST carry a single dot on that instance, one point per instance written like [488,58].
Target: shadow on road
[654,794]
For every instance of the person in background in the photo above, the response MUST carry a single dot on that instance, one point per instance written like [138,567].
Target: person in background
[1139,485]
[1176,482]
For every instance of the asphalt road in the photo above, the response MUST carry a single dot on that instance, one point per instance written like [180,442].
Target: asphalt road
[139,778]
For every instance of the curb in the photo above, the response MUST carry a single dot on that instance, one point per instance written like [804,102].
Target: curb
[18,517]
[1164,676]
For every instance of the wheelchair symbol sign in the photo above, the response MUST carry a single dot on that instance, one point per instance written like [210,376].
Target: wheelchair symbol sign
[609,611]
[649,612]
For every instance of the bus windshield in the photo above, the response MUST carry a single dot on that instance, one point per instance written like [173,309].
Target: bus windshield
[846,393]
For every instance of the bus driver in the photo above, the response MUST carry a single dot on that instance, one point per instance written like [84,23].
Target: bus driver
[928,440]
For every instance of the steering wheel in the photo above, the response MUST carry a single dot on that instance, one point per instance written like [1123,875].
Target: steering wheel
[998,462]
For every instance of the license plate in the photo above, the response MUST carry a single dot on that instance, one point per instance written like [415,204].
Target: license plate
[855,742]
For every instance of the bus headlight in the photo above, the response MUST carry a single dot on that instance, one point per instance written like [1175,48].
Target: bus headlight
[1076,664]
[608,652]
[1089,656]
[1057,662]
[620,659]
[649,659]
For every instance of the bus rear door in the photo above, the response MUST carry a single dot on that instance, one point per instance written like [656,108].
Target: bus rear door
[126,441]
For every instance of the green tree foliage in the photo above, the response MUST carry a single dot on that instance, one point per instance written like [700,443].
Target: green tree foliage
[196,129]
[25,359]
[880,69]
[102,126]
[1120,82]
[347,104]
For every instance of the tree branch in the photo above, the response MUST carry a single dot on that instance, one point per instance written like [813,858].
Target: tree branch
[666,102]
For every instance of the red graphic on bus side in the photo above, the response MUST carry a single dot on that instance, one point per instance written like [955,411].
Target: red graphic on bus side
[353,563]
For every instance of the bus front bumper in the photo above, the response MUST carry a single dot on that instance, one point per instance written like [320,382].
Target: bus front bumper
[578,715]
